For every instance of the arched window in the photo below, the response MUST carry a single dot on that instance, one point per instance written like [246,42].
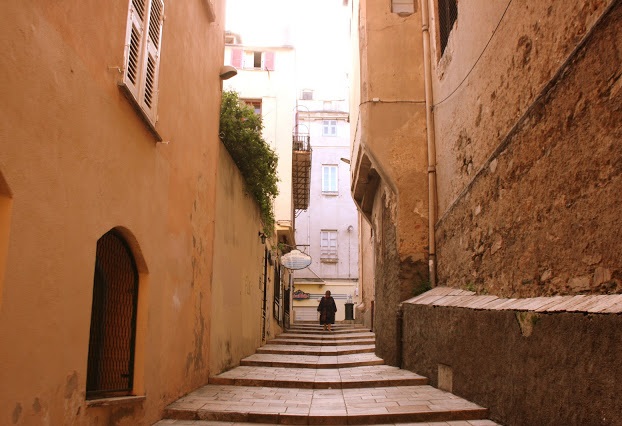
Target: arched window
[110,369]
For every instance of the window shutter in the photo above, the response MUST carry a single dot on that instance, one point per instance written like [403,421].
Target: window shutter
[149,93]
[236,58]
[268,58]
[133,41]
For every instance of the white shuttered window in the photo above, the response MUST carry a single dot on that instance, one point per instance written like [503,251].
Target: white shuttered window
[328,245]
[142,53]
[329,178]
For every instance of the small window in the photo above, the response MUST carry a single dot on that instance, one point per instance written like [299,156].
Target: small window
[307,95]
[447,15]
[403,7]
[255,104]
[329,128]
[258,60]
[329,179]
[328,246]
[143,41]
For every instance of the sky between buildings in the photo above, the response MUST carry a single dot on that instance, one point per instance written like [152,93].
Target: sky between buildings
[319,30]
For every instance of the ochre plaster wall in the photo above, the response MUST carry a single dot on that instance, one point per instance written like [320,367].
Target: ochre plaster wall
[237,284]
[539,167]
[79,161]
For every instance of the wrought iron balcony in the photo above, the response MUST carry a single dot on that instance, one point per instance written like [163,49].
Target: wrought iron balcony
[301,170]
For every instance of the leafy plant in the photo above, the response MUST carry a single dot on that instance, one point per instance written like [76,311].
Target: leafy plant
[240,132]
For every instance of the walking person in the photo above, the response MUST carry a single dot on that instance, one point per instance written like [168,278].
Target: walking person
[327,309]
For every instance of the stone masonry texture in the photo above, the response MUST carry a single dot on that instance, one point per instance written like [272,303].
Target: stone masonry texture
[529,369]
[542,216]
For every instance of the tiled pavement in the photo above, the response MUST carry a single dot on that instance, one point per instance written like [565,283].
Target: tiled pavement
[325,383]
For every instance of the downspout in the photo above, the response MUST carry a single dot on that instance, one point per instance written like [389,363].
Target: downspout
[429,116]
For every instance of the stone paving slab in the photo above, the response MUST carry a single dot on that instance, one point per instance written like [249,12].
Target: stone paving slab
[333,342]
[316,350]
[329,406]
[326,336]
[312,378]
[311,361]
[320,330]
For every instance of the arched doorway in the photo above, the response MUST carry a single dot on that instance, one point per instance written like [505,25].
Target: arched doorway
[110,370]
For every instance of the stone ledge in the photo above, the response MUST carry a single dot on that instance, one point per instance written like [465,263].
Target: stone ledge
[446,296]
[121,400]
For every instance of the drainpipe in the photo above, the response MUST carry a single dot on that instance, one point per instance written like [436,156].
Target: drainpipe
[429,116]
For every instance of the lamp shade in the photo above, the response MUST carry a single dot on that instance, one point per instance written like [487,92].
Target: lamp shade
[295,259]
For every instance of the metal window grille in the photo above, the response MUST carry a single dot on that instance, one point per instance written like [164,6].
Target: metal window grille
[447,15]
[110,369]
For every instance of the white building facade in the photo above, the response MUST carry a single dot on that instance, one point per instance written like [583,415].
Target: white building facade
[328,229]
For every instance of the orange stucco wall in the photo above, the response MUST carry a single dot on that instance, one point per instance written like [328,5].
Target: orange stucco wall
[79,161]
[238,279]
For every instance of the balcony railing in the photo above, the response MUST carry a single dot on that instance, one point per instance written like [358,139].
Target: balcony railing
[301,170]
[301,143]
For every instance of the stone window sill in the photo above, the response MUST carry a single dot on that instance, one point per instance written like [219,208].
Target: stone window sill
[121,400]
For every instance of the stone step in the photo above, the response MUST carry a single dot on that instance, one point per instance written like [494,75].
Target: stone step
[313,378]
[379,405]
[217,423]
[320,330]
[327,336]
[316,350]
[332,342]
[311,361]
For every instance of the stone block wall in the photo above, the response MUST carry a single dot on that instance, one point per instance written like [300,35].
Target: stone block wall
[528,366]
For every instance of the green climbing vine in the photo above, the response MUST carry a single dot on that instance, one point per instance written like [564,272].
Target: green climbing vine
[240,131]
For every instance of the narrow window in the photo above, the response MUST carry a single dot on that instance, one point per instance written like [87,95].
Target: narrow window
[447,15]
[110,369]
[256,59]
[277,292]
[329,128]
[307,95]
[142,54]
[329,179]
[403,7]
[328,246]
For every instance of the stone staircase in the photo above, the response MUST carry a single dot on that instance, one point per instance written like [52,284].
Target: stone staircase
[308,376]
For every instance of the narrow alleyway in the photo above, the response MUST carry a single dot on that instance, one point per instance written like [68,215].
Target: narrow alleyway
[310,376]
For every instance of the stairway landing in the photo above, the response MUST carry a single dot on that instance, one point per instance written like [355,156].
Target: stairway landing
[320,384]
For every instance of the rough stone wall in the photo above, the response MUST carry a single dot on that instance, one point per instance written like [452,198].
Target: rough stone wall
[388,291]
[484,83]
[542,216]
[563,371]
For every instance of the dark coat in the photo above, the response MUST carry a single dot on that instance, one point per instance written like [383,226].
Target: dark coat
[327,309]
